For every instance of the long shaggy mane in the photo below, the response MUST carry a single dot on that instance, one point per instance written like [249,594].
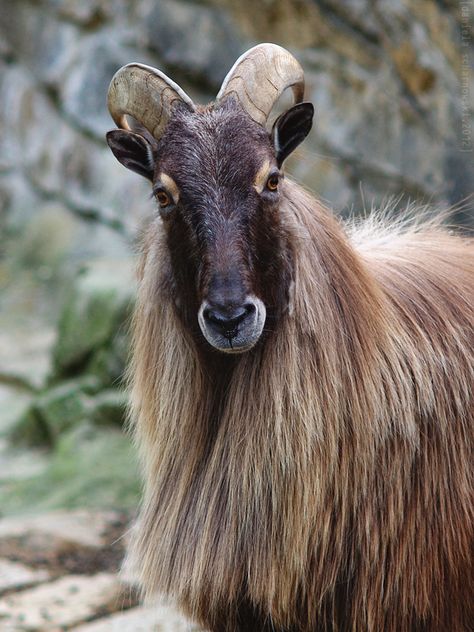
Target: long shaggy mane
[323,480]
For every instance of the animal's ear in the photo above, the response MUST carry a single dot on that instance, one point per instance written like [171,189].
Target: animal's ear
[290,129]
[133,150]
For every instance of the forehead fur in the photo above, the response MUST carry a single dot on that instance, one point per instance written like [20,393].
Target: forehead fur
[222,145]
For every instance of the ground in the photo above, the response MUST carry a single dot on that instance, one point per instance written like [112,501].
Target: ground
[60,571]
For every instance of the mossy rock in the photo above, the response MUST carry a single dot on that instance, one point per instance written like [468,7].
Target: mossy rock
[56,410]
[109,408]
[96,308]
[63,407]
[108,363]
[89,467]
[30,429]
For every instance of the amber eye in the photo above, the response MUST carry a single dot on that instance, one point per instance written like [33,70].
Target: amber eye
[272,182]
[163,198]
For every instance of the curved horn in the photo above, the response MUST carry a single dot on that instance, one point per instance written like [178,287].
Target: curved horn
[147,95]
[259,77]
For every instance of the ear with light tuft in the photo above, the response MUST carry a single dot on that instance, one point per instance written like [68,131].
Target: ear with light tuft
[291,128]
[133,151]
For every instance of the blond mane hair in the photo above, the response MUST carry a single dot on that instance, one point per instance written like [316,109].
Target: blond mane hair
[326,479]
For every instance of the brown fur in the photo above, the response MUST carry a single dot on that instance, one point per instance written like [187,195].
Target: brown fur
[323,480]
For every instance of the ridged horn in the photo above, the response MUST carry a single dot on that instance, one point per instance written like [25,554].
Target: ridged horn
[147,95]
[259,77]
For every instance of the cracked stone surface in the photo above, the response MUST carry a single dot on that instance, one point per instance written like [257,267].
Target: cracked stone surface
[14,576]
[157,619]
[61,571]
[64,602]
[80,527]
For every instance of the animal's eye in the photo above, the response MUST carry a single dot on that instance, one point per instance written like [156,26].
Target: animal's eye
[163,198]
[272,182]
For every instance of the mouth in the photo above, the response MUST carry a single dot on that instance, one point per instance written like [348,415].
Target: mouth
[236,333]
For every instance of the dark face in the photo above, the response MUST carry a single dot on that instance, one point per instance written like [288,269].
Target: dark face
[217,181]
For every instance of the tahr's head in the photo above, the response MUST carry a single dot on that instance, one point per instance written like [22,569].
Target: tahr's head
[216,176]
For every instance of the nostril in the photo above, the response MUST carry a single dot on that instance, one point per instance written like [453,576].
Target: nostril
[207,314]
[238,316]
[215,316]
[226,319]
[250,308]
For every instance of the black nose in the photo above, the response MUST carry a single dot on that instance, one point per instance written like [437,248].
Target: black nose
[226,320]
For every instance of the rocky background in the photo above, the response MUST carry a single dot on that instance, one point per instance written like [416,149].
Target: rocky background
[393,88]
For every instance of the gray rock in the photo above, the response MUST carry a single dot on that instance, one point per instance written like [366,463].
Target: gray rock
[25,351]
[46,45]
[55,411]
[109,408]
[62,407]
[97,306]
[45,242]
[89,466]
[200,41]
[14,402]
[83,92]
[153,619]
[64,602]
[18,467]
[108,363]
[87,13]
[29,430]
[14,576]
[56,530]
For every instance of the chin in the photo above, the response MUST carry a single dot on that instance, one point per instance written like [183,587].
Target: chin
[232,347]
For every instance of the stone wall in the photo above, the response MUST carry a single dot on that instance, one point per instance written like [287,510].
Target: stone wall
[386,77]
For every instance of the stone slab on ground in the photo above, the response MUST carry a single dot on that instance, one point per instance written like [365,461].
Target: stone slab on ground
[76,542]
[61,604]
[151,619]
[80,527]
[14,576]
